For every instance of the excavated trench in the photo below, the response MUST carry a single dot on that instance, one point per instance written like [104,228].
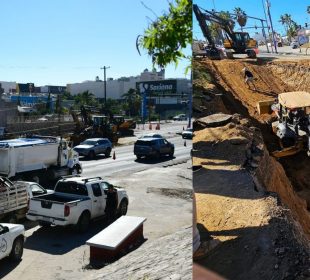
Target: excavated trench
[289,176]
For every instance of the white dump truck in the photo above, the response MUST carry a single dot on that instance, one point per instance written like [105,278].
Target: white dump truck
[38,159]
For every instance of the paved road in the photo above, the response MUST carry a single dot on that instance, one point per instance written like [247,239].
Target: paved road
[126,160]
[63,253]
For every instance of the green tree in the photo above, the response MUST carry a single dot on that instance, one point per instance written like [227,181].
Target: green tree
[215,28]
[85,98]
[290,26]
[240,17]
[132,101]
[67,96]
[166,38]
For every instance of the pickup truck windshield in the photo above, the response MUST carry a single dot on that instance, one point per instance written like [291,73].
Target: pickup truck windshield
[71,187]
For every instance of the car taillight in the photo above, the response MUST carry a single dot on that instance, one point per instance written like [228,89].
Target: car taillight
[67,211]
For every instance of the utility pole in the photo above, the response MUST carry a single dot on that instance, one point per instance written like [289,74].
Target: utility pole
[269,15]
[105,84]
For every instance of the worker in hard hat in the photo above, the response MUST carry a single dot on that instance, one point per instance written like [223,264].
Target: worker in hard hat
[248,77]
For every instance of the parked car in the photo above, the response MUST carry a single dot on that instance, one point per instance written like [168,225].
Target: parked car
[75,201]
[93,147]
[187,134]
[151,135]
[181,117]
[33,188]
[153,147]
[11,241]
[295,45]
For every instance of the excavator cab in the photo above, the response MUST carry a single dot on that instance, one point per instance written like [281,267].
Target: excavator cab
[293,125]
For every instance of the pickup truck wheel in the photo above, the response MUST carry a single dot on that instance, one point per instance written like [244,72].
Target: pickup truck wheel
[91,155]
[17,249]
[107,152]
[171,153]
[83,223]
[139,157]
[123,208]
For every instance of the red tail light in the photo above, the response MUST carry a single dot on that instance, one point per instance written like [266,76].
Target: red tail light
[67,210]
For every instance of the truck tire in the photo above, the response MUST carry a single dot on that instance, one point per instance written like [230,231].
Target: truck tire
[123,207]
[171,153]
[107,152]
[83,222]
[17,249]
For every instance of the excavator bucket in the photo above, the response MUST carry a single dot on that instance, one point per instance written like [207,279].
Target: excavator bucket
[289,151]
[264,107]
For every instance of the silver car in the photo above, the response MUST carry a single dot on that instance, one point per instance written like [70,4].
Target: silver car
[94,146]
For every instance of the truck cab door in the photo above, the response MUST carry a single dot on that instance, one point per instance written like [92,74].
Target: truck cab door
[5,242]
[98,202]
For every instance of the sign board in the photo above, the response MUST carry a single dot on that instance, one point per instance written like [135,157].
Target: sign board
[28,100]
[157,87]
[56,89]
[25,87]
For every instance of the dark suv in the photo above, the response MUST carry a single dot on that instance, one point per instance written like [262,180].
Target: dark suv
[153,147]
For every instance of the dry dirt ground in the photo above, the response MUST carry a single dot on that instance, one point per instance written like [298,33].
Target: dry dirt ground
[257,235]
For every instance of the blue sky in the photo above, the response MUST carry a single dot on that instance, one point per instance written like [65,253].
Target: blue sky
[297,9]
[57,42]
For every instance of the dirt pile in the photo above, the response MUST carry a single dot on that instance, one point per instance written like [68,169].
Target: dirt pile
[228,76]
[273,177]
[272,78]
[207,98]
[295,74]
[254,229]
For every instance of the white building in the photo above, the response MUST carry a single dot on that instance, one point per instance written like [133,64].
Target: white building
[8,86]
[115,88]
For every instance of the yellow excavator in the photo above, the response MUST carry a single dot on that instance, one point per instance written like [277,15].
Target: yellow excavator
[293,124]
[92,125]
[125,127]
[234,43]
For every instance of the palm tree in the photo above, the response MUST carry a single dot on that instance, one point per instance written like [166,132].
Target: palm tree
[133,100]
[289,25]
[84,98]
[241,17]
[308,9]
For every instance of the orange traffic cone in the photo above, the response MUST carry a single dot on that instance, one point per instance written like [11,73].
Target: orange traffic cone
[184,143]
[114,157]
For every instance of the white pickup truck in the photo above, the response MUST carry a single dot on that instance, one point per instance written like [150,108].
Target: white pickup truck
[11,241]
[76,201]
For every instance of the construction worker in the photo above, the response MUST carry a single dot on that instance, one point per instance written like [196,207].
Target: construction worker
[248,77]
[111,204]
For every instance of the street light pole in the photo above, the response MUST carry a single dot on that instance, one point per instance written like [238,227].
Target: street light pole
[105,84]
